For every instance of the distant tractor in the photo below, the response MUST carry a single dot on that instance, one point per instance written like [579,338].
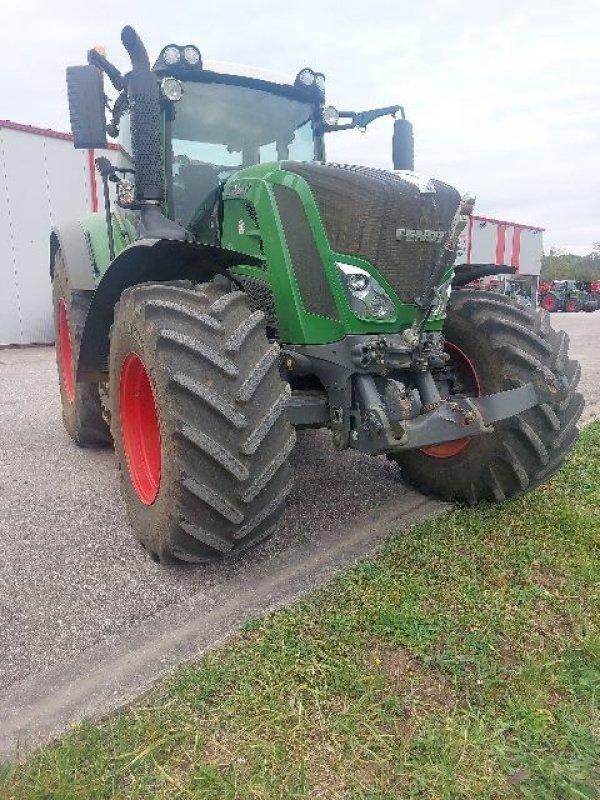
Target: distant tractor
[590,293]
[562,296]
[241,287]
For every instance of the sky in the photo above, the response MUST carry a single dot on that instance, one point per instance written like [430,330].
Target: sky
[504,96]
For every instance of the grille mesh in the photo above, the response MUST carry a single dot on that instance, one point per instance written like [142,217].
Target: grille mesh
[306,260]
[362,208]
[260,298]
[145,136]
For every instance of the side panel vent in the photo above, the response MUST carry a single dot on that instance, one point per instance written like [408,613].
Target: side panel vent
[308,267]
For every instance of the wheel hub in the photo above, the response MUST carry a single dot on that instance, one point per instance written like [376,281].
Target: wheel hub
[470,380]
[140,428]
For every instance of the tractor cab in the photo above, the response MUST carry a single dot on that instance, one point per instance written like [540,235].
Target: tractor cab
[218,119]
[215,124]
[207,122]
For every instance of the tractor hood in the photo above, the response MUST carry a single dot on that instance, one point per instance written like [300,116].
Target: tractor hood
[394,220]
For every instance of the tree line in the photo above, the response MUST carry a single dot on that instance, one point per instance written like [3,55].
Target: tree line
[559,265]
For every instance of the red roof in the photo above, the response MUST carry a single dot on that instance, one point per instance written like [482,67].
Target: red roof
[47,132]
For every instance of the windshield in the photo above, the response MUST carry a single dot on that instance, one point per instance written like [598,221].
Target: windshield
[219,128]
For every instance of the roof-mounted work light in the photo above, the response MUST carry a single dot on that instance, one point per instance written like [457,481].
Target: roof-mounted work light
[179,57]
[312,81]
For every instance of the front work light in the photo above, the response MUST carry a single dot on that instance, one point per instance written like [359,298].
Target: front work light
[306,77]
[191,55]
[172,89]
[178,57]
[171,55]
[366,297]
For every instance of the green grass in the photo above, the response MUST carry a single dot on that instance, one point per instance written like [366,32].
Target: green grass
[463,662]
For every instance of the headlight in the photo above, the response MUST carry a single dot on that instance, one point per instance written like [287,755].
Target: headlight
[172,89]
[192,55]
[320,82]
[443,295]
[171,55]
[366,297]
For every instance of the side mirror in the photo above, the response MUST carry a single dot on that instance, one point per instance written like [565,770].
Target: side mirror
[403,145]
[86,107]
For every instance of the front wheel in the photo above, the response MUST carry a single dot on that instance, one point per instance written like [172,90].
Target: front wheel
[494,345]
[549,302]
[198,417]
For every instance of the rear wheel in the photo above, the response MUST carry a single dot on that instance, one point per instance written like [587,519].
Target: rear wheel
[502,345]
[81,407]
[572,305]
[198,419]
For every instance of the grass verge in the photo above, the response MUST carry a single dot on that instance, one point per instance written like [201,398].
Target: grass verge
[463,662]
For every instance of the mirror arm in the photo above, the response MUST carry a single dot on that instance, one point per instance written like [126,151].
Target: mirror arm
[363,118]
[113,74]
[323,127]
[119,107]
[360,119]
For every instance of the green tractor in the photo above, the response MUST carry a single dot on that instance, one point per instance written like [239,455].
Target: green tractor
[562,295]
[239,287]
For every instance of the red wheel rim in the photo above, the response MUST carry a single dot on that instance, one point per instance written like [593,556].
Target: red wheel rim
[468,374]
[140,428]
[65,352]
[571,305]
[549,303]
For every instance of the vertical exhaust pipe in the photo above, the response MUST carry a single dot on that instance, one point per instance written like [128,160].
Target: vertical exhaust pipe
[144,103]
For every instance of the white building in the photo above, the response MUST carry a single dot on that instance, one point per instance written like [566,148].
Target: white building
[43,181]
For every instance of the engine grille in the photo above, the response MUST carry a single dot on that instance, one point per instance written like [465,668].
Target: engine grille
[362,208]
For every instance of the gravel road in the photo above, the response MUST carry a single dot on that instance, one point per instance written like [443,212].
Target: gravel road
[71,574]
[584,332]
[73,579]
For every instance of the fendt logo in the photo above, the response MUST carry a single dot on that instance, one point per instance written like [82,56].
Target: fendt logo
[413,235]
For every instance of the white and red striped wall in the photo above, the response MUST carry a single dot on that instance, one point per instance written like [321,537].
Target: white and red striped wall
[494,241]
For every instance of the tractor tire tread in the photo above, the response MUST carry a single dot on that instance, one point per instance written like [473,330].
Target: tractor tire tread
[221,404]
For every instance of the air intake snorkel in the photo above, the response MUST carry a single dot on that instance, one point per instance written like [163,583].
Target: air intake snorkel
[144,103]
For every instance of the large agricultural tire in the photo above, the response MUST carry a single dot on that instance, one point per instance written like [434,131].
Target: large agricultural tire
[495,345]
[81,407]
[198,418]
